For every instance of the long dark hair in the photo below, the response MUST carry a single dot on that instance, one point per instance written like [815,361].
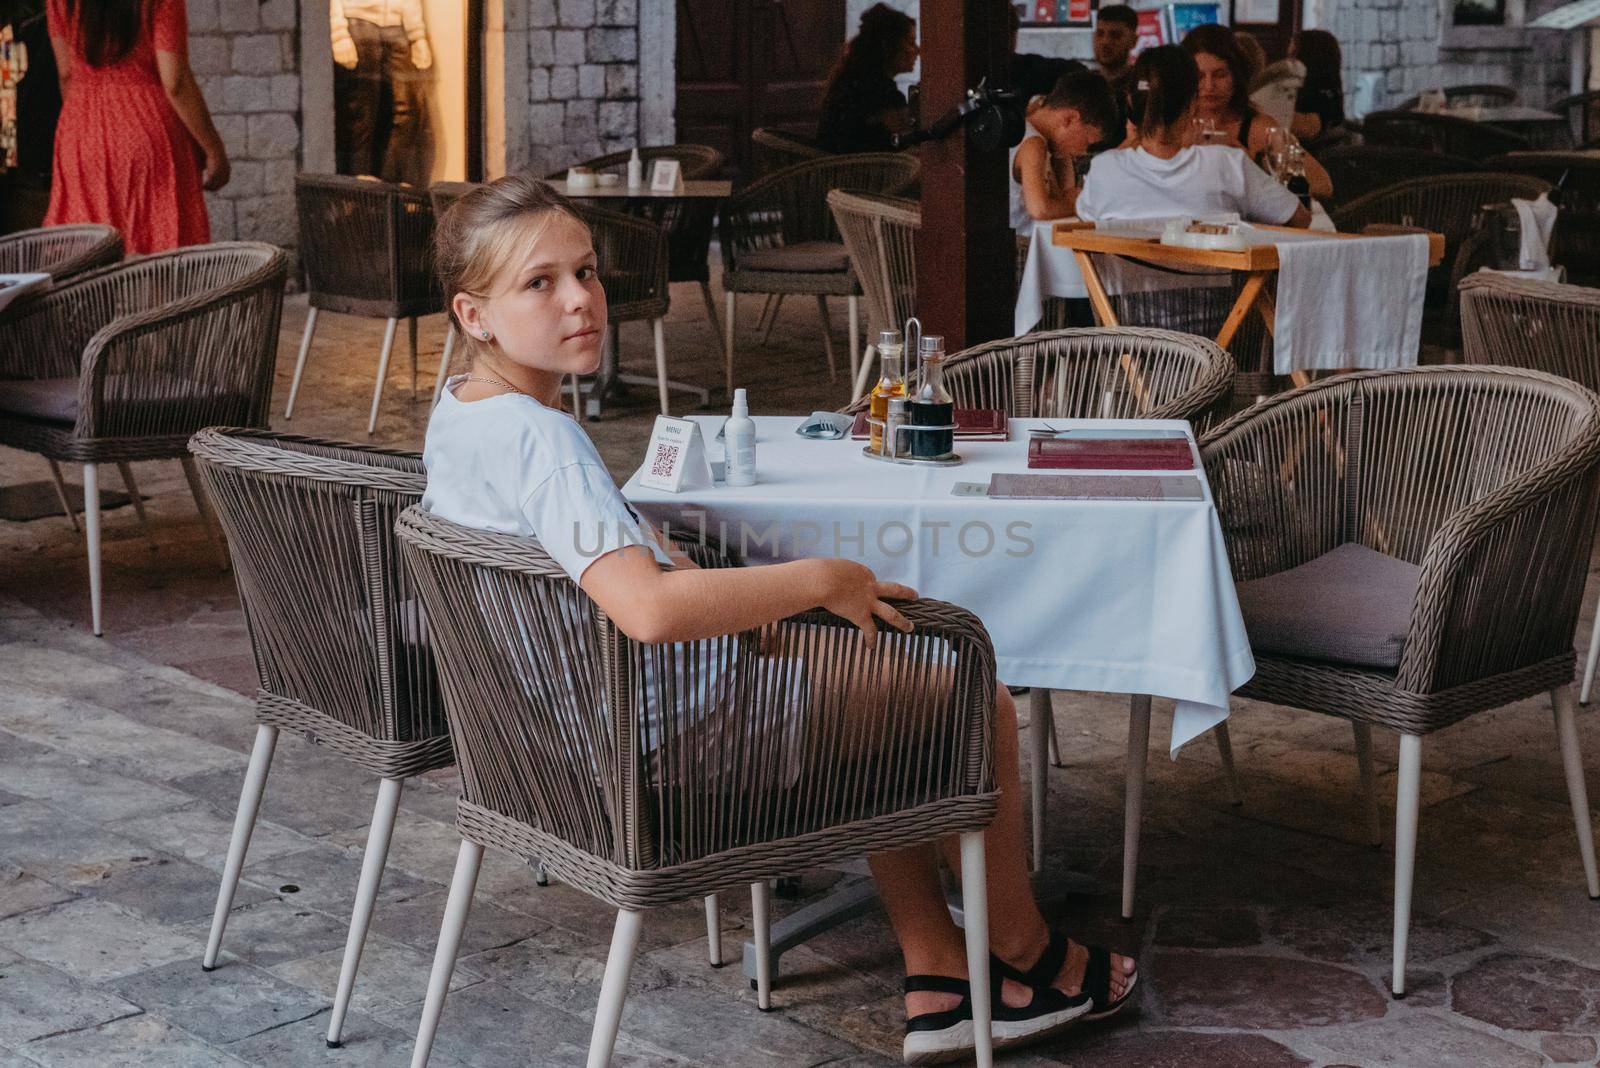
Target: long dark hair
[882,31]
[1319,51]
[107,29]
[1164,82]
[1218,41]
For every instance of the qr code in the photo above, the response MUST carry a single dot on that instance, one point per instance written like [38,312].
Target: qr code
[666,456]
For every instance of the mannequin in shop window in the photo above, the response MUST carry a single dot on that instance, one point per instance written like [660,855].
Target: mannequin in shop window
[381,55]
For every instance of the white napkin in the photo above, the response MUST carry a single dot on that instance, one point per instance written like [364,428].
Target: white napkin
[1350,302]
[1537,219]
[13,286]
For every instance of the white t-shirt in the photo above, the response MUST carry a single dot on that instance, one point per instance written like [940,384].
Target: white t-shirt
[1021,221]
[1130,183]
[511,465]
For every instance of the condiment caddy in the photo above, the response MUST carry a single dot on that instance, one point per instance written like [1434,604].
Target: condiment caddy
[908,428]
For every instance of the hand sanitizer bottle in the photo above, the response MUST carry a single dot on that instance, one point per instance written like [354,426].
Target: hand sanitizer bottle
[635,170]
[739,444]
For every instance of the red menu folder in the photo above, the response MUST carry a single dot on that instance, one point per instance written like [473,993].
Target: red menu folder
[1113,454]
[972,424]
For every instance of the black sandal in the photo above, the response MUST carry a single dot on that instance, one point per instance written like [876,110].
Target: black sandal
[936,1037]
[1050,1011]
[1097,984]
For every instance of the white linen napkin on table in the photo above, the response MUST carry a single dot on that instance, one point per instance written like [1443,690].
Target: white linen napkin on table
[1350,302]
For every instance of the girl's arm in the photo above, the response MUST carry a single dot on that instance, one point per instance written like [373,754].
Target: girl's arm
[177,79]
[1306,125]
[63,52]
[655,606]
[1040,195]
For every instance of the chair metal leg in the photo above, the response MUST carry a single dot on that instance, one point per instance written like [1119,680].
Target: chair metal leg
[1577,790]
[1369,782]
[300,362]
[577,398]
[761,931]
[244,824]
[770,313]
[126,471]
[444,361]
[1588,664]
[456,908]
[713,931]
[191,475]
[863,380]
[1133,795]
[411,325]
[657,329]
[61,495]
[975,910]
[1407,797]
[91,526]
[766,314]
[366,896]
[711,309]
[1039,784]
[1056,760]
[733,314]
[853,307]
[614,987]
[827,337]
[1225,754]
[383,372]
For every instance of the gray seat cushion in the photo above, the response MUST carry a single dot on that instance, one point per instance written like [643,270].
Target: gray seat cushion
[55,400]
[1350,606]
[802,256]
[51,399]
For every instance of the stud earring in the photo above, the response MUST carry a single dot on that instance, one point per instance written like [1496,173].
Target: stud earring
[484,335]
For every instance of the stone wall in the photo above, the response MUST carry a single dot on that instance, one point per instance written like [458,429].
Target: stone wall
[583,80]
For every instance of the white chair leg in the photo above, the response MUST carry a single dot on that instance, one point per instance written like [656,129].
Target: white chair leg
[1038,786]
[975,912]
[1056,760]
[191,475]
[300,362]
[1588,665]
[244,824]
[1369,782]
[366,896]
[713,931]
[444,361]
[456,908]
[614,987]
[711,309]
[659,330]
[1133,795]
[577,398]
[91,526]
[1407,797]
[761,935]
[853,306]
[126,471]
[1577,790]
[863,380]
[411,325]
[827,337]
[61,495]
[383,372]
[1225,754]
[733,314]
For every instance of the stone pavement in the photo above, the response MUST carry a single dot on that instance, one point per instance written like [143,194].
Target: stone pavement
[1263,930]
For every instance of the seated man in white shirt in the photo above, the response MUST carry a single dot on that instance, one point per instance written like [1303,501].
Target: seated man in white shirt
[1077,114]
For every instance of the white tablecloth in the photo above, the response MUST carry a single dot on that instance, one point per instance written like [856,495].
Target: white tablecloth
[1112,596]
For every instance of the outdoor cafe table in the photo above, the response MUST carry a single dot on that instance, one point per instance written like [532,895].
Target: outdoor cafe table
[1131,597]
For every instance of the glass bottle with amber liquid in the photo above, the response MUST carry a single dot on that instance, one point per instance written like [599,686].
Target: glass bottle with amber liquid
[931,404]
[891,383]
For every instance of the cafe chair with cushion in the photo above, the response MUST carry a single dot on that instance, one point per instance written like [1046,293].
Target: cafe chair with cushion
[1357,170]
[124,363]
[340,640]
[1410,548]
[1583,116]
[779,237]
[880,237]
[646,775]
[1574,178]
[367,250]
[1447,134]
[61,252]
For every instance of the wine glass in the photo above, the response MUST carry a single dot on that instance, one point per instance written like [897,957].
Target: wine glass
[1276,155]
[1204,130]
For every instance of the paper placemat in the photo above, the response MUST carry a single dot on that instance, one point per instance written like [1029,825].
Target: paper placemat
[1095,487]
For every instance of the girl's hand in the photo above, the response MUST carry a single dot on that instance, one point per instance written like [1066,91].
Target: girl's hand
[851,590]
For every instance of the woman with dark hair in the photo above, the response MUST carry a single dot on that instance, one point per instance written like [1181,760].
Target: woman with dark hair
[1162,173]
[862,108]
[135,144]
[1319,107]
[1223,98]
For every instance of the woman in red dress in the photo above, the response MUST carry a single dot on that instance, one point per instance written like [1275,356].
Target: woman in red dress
[135,145]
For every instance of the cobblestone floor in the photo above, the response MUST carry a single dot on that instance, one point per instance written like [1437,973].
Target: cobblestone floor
[1263,929]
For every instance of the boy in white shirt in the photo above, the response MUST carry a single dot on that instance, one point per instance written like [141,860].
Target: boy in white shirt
[1077,114]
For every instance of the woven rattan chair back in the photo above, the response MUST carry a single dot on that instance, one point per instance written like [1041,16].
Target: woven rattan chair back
[1357,170]
[791,205]
[340,639]
[1583,116]
[366,246]
[1447,134]
[773,150]
[60,251]
[1575,178]
[632,257]
[880,233]
[1544,326]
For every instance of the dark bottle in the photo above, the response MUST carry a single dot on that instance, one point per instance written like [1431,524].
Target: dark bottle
[931,404]
[1295,179]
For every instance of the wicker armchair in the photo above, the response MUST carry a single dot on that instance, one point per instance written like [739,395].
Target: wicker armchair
[1447,134]
[60,251]
[1479,485]
[340,640]
[774,150]
[1583,116]
[124,363]
[1575,176]
[779,237]
[1469,95]
[562,756]
[880,236]
[1357,170]
[367,249]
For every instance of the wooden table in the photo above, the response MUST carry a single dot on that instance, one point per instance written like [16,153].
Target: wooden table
[699,189]
[1257,262]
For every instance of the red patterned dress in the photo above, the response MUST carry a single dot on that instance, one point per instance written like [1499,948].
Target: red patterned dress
[123,157]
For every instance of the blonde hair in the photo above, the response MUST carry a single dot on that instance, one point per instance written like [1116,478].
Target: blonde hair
[485,234]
